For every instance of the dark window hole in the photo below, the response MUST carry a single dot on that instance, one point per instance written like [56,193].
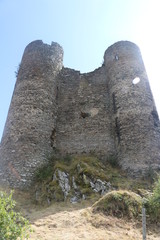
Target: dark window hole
[84,114]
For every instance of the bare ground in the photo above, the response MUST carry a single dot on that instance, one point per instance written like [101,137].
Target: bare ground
[72,223]
[66,221]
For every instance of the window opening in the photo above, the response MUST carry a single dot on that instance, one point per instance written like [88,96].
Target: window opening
[136,80]
[84,114]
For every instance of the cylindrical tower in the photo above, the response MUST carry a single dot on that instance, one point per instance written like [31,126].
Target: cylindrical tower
[135,120]
[27,137]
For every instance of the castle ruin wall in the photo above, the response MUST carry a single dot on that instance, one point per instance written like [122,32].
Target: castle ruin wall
[109,111]
[134,115]
[83,117]
[31,117]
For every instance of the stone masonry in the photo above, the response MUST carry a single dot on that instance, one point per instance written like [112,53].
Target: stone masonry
[109,111]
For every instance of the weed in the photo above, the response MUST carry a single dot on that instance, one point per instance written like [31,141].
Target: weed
[17,71]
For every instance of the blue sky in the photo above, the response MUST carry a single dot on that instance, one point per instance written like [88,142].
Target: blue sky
[84,28]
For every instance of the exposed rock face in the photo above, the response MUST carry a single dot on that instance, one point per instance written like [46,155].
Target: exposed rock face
[70,187]
[100,186]
[63,179]
[107,111]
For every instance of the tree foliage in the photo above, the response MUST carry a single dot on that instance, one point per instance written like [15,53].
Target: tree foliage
[13,225]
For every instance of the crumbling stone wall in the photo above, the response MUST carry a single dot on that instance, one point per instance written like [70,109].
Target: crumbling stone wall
[104,111]
[83,117]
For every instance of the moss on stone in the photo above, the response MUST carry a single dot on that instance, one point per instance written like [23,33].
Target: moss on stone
[86,170]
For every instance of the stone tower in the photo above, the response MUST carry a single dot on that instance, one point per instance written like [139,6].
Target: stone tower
[26,139]
[134,115]
[108,111]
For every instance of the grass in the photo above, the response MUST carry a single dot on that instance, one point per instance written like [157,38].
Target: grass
[84,168]
[120,203]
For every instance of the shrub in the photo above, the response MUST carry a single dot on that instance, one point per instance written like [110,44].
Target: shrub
[12,225]
[43,173]
[153,204]
[113,161]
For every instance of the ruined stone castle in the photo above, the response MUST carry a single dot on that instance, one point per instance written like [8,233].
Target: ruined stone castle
[109,111]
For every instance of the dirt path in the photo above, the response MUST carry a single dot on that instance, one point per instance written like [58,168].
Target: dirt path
[56,223]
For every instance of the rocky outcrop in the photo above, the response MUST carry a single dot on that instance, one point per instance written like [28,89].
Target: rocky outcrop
[75,184]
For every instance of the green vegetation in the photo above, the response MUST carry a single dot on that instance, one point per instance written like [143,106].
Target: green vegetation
[113,161]
[90,166]
[44,173]
[12,225]
[84,169]
[153,202]
[120,203]
[125,197]
[17,71]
